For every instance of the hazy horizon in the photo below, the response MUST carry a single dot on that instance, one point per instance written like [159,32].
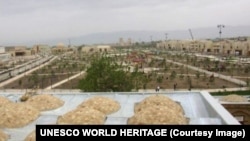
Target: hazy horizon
[28,21]
[143,35]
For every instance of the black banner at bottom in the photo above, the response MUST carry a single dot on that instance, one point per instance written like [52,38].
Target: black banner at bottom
[176,132]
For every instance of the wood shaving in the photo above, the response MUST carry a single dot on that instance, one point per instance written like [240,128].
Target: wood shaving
[101,103]
[82,115]
[234,98]
[4,100]
[158,100]
[31,136]
[24,97]
[15,115]
[158,115]
[3,136]
[45,102]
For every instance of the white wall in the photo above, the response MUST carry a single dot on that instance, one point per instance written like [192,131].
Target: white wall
[2,49]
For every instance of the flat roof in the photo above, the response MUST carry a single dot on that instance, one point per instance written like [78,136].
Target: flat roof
[199,107]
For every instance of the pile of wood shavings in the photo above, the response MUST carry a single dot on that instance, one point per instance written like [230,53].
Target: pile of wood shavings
[3,136]
[103,104]
[158,115]
[83,115]
[4,100]
[31,136]
[15,115]
[45,102]
[234,98]
[158,109]
[158,100]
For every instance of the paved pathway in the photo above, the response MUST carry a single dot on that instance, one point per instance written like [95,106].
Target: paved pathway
[2,84]
[228,78]
[64,81]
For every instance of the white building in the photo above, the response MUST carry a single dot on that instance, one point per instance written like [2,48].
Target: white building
[4,57]
[98,48]
[2,49]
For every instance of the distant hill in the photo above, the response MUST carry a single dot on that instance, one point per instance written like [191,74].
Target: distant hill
[138,36]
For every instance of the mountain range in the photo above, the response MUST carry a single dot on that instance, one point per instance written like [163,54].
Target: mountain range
[139,36]
[146,35]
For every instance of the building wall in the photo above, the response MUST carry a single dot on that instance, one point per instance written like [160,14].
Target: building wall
[4,57]
[104,48]
[238,46]
[41,49]
[127,42]
[89,49]
[241,111]
[2,49]
[16,50]
[59,48]
[93,49]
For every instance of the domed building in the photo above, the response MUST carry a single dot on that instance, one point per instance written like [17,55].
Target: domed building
[60,47]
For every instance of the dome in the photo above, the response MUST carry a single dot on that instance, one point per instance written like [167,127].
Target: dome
[60,45]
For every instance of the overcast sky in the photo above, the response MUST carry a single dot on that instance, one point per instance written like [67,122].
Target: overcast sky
[37,20]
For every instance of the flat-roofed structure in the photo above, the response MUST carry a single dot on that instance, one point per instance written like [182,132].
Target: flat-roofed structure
[198,107]
[227,47]
[4,58]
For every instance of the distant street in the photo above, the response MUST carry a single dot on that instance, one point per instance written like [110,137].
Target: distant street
[64,81]
[2,84]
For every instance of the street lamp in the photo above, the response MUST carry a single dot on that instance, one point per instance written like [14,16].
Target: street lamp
[166,35]
[220,26]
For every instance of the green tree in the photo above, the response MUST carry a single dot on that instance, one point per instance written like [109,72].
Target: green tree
[20,83]
[74,65]
[105,75]
[204,77]
[247,81]
[43,78]
[189,82]
[159,79]
[35,79]
[137,78]
[52,75]
[211,78]
[197,74]
[181,76]
[173,75]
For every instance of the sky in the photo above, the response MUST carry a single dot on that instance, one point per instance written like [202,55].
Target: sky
[38,20]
